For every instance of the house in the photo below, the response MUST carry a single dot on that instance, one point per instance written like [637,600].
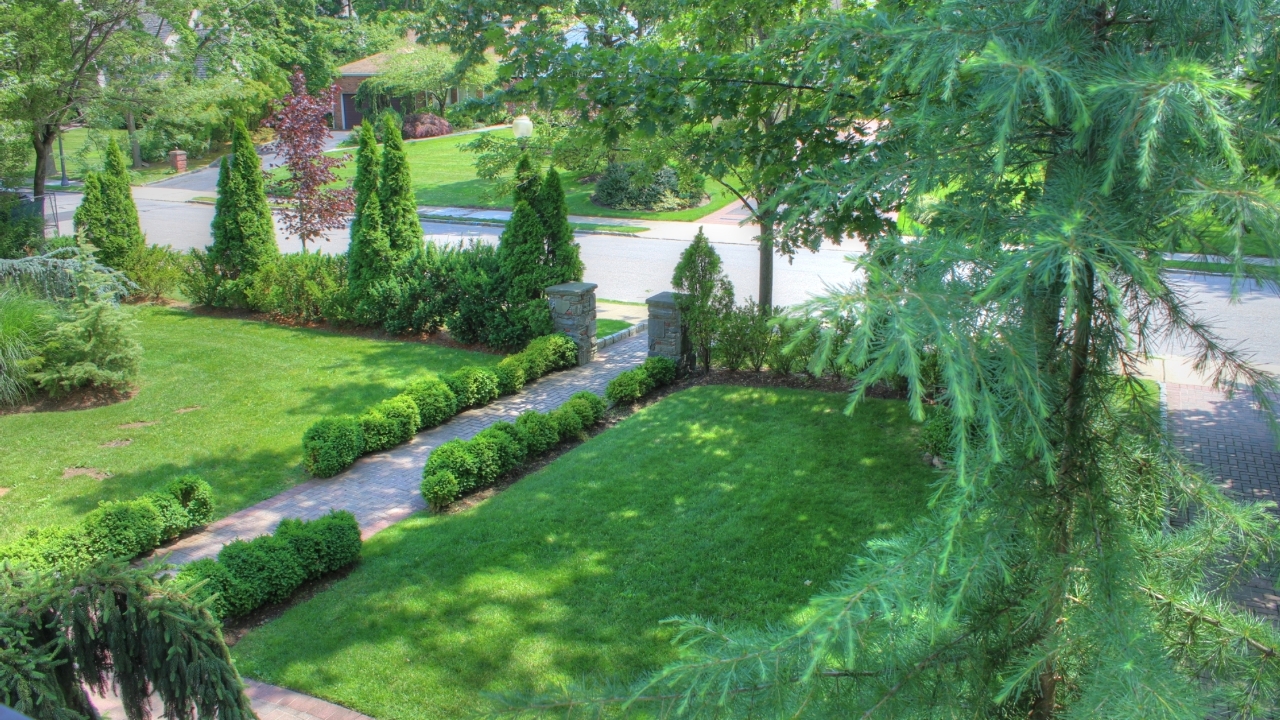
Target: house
[347,113]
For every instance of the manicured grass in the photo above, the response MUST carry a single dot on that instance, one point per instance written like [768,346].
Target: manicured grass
[258,387]
[592,227]
[606,327]
[444,174]
[700,504]
[80,160]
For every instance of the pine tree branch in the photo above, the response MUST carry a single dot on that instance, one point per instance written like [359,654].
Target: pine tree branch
[1191,612]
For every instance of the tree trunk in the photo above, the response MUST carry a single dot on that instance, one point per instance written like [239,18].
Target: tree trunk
[42,138]
[766,263]
[134,148]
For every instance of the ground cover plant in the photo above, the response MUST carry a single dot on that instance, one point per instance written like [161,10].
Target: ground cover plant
[222,398]
[697,504]
[444,174]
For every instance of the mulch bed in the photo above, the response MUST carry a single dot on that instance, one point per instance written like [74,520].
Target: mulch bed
[82,399]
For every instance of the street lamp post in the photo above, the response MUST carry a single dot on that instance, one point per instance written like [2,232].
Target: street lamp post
[522,128]
[63,160]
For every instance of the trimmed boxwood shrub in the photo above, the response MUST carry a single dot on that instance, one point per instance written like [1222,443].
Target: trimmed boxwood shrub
[474,386]
[510,373]
[568,423]
[270,568]
[195,496]
[331,445]
[629,387]
[552,352]
[455,457]
[496,454]
[440,489]
[592,400]
[538,432]
[122,529]
[173,517]
[661,370]
[390,423]
[436,402]
[508,429]
[62,548]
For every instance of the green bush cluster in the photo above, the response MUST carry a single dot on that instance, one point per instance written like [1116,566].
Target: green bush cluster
[269,568]
[118,529]
[331,444]
[635,383]
[638,186]
[458,467]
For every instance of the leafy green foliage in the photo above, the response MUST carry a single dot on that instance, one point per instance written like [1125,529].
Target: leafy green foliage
[109,220]
[473,386]
[454,457]
[628,387]
[705,295]
[95,346]
[661,370]
[112,627]
[307,287]
[538,433]
[195,496]
[332,444]
[390,423]
[510,372]
[436,402]
[157,271]
[745,337]
[24,322]
[440,489]
[634,186]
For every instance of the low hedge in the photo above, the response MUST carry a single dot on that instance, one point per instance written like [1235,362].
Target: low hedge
[332,444]
[635,383]
[458,467]
[268,569]
[118,529]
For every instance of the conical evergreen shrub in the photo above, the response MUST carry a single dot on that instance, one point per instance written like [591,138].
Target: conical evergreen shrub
[521,253]
[561,252]
[527,182]
[367,168]
[370,257]
[395,192]
[244,236]
[108,217]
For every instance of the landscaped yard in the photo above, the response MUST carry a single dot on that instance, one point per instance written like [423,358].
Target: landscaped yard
[700,504]
[226,399]
[606,327]
[444,174]
[80,160]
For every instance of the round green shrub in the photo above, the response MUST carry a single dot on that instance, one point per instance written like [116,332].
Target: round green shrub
[331,445]
[568,423]
[122,530]
[454,457]
[340,542]
[195,496]
[661,370]
[436,402]
[53,548]
[583,409]
[562,352]
[594,401]
[173,517]
[495,453]
[534,359]
[510,374]
[538,432]
[205,579]
[389,423]
[405,413]
[628,387]
[439,489]
[264,569]
[522,449]
[474,386]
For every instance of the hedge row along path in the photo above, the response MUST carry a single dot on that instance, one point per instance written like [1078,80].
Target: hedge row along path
[381,489]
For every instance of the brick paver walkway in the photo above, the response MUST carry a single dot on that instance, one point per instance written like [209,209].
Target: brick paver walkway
[382,489]
[1230,439]
[269,702]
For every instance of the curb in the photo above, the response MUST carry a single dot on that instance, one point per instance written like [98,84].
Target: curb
[494,223]
[621,335]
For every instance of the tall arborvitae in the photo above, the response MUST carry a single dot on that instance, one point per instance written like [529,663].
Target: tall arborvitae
[527,182]
[395,192]
[244,236]
[562,260]
[110,222]
[366,182]
[521,254]
[370,257]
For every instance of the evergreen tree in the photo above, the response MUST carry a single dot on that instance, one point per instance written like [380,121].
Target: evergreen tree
[370,257]
[110,222]
[561,251]
[522,254]
[527,182]
[395,192]
[244,235]
[705,295]
[111,626]
[367,168]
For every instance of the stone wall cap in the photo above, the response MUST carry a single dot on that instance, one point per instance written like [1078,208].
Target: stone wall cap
[572,287]
[663,298]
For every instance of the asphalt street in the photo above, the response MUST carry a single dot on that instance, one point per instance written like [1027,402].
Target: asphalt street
[632,269]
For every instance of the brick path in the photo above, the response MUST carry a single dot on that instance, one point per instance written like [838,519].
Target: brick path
[382,489]
[1230,439]
[269,702]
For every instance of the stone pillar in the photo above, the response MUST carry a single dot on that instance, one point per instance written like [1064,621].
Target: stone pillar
[178,160]
[573,310]
[667,337]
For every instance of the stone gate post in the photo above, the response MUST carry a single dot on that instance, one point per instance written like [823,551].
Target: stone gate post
[667,337]
[573,310]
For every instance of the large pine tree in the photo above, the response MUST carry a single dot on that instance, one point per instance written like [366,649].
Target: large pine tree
[109,219]
[560,251]
[244,235]
[395,191]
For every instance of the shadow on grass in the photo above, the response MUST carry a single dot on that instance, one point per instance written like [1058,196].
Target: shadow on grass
[734,503]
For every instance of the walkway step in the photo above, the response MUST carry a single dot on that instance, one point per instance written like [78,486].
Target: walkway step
[382,489]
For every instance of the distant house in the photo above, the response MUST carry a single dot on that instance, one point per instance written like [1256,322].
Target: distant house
[347,113]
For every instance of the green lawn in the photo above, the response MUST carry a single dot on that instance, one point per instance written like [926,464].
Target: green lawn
[444,174]
[698,504]
[606,327]
[258,386]
[80,160]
